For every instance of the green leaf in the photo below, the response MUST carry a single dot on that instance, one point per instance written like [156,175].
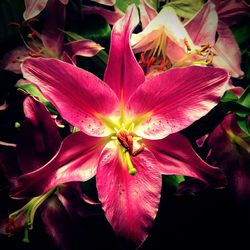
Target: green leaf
[243,124]
[123,4]
[185,8]
[17,4]
[241,106]
[32,90]
[97,29]
[245,98]
[173,181]
[229,96]
[242,34]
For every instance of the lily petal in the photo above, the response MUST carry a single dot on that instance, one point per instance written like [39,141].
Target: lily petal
[33,8]
[230,11]
[110,16]
[202,27]
[166,21]
[173,100]
[52,35]
[227,51]
[57,224]
[130,202]
[147,13]
[105,2]
[177,156]
[123,73]
[87,48]
[39,137]
[76,160]
[64,1]
[77,94]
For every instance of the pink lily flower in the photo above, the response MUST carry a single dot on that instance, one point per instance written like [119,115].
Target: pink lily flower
[230,150]
[202,28]
[49,43]
[34,7]
[127,128]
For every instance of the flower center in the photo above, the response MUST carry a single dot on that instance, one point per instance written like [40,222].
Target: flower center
[155,55]
[129,145]
[32,42]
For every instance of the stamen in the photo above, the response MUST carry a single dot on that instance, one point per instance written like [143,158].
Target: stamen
[139,150]
[35,54]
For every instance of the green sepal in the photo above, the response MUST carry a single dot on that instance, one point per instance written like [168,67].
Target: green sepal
[243,123]
[32,90]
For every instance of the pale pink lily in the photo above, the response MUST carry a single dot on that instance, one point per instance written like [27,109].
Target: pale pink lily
[202,28]
[158,30]
[127,128]
[198,37]
[34,7]
[50,42]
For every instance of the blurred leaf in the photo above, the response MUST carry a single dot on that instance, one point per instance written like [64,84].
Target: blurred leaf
[32,90]
[97,29]
[242,34]
[123,5]
[243,124]
[185,8]
[17,4]
[173,181]
[72,36]
[9,37]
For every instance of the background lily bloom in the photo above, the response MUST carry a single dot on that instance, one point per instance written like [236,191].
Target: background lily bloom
[156,33]
[39,139]
[230,150]
[202,28]
[50,42]
[125,122]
